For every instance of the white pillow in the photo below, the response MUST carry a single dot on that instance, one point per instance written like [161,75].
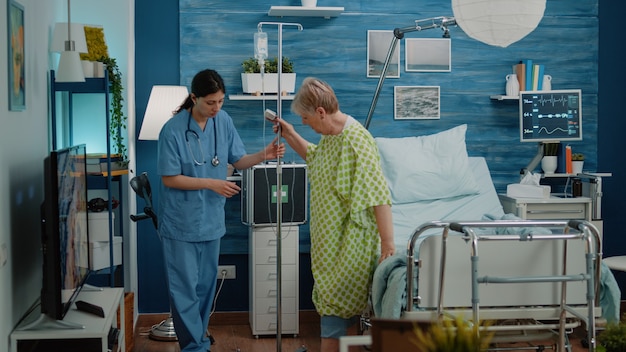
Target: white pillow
[427,167]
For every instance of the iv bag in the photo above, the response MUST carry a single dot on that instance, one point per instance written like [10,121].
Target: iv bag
[260,45]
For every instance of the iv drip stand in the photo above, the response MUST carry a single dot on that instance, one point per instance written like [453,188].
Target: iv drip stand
[279,181]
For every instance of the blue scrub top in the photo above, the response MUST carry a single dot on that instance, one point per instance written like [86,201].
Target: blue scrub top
[196,215]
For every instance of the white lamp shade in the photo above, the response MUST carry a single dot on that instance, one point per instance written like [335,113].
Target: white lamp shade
[498,22]
[70,69]
[161,105]
[77,33]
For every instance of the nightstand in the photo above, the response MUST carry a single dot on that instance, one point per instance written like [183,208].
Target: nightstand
[553,208]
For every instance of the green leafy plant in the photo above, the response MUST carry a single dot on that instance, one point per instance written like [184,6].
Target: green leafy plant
[578,157]
[251,65]
[118,119]
[456,335]
[613,338]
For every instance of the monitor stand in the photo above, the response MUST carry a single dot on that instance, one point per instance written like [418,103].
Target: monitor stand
[535,161]
[44,322]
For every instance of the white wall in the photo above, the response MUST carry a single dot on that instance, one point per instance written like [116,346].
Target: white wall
[24,140]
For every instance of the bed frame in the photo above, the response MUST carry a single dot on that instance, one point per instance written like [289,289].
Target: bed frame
[545,284]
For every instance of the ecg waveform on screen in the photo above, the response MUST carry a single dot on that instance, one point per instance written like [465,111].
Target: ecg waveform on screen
[553,100]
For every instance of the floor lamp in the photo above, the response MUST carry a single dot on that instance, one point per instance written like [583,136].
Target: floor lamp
[279,175]
[161,105]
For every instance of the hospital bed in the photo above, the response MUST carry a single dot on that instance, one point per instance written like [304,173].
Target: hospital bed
[445,200]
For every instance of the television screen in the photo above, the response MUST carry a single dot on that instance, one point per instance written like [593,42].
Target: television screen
[550,116]
[64,230]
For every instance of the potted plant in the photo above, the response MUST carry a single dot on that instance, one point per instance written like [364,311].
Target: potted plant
[254,83]
[578,160]
[456,335]
[98,52]
[613,338]
[549,160]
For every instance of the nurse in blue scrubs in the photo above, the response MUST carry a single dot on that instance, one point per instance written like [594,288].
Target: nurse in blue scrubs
[194,148]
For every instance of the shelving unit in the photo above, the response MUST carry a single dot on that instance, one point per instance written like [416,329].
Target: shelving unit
[95,181]
[301,11]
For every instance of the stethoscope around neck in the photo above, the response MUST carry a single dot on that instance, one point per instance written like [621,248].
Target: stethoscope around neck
[215,161]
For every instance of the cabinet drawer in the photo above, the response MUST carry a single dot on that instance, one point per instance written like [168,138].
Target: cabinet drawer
[268,273]
[266,323]
[268,305]
[568,211]
[269,256]
[267,289]
[266,238]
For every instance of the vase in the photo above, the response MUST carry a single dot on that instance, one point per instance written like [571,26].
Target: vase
[546,84]
[309,3]
[512,85]
[548,164]
[577,166]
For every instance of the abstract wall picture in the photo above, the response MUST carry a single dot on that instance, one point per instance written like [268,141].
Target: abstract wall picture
[378,43]
[16,81]
[427,55]
[416,103]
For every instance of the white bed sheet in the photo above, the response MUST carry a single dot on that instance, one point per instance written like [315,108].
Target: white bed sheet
[407,217]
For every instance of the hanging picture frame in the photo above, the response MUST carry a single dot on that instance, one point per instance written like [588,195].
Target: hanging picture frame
[16,63]
[427,55]
[378,42]
[416,103]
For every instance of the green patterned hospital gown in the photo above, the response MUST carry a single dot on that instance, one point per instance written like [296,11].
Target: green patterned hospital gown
[346,182]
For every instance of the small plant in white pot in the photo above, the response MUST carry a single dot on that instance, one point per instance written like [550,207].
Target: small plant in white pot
[254,83]
[578,160]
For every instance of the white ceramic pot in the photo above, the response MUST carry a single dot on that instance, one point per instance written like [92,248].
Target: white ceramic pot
[548,164]
[577,166]
[309,3]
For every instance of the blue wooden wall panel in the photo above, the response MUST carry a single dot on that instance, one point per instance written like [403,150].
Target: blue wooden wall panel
[219,35]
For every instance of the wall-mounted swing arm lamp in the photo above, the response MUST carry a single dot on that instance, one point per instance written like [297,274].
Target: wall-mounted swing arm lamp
[398,33]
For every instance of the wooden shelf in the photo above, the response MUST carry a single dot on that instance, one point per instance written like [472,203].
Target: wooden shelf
[259,97]
[301,11]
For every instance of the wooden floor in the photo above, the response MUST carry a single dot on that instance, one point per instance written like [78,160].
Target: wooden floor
[232,333]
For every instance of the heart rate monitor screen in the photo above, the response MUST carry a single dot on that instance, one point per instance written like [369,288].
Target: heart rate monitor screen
[551,116]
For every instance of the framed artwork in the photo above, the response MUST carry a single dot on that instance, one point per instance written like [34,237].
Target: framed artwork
[416,103]
[427,55]
[378,43]
[16,62]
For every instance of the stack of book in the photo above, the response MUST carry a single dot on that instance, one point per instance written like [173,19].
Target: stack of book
[529,75]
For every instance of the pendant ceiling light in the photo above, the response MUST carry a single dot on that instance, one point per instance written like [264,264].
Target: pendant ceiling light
[498,22]
[70,69]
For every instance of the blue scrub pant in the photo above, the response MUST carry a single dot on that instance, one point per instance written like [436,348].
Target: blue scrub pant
[191,269]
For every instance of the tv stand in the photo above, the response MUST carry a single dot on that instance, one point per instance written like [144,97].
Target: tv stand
[44,322]
[93,336]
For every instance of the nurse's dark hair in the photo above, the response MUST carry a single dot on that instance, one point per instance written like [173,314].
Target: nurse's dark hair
[203,83]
